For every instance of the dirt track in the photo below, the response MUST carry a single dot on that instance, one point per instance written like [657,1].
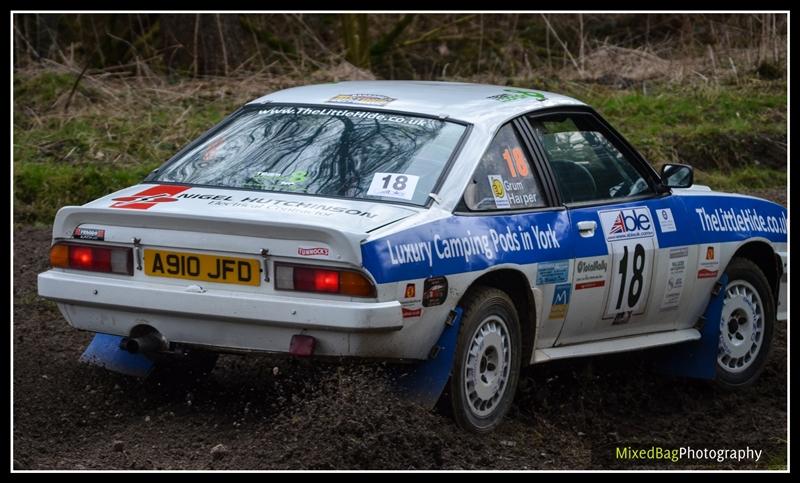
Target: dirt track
[567,415]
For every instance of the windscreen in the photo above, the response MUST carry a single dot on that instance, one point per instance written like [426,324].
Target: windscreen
[322,151]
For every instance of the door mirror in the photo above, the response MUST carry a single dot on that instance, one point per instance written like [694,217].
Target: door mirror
[677,175]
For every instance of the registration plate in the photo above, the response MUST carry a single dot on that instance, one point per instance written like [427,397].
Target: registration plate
[208,268]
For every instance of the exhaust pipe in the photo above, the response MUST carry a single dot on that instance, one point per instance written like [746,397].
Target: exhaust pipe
[151,342]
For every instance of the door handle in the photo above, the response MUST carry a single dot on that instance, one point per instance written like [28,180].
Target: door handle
[587,228]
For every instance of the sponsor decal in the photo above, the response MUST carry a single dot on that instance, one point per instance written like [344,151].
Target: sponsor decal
[593,266]
[708,260]
[407,313]
[590,273]
[285,206]
[144,200]
[424,123]
[312,252]
[665,220]
[499,191]
[464,244]
[362,99]
[293,181]
[740,220]
[627,223]
[434,291]
[558,309]
[593,284]
[89,233]
[203,196]
[487,246]
[553,272]
[704,273]
[676,276]
[408,296]
[509,95]
[393,185]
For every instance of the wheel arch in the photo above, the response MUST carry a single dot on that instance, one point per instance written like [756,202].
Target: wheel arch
[764,256]
[514,283]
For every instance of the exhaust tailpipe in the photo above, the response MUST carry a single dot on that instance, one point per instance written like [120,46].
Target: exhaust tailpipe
[152,342]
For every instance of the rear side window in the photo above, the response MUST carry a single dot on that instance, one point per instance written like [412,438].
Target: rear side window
[586,164]
[505,178]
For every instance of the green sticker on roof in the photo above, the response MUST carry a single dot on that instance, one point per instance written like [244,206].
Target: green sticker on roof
[509,95]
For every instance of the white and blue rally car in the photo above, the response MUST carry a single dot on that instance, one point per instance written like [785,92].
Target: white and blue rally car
[357,219]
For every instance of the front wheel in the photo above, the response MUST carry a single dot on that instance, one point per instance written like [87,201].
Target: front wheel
[487,360]
[748,317]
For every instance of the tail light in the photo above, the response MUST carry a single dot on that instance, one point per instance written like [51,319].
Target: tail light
[94,258]
[306,278]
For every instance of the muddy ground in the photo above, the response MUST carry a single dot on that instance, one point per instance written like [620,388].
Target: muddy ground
[567,415]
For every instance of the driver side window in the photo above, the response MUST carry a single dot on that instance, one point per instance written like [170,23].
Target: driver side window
[587,165]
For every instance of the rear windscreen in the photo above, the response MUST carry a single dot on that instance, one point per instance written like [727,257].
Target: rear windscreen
[322,151]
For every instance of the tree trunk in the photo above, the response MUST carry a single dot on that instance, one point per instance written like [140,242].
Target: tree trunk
[356,39]
[203,44]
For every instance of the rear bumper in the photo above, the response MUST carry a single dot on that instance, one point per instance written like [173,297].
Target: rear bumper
[262,322]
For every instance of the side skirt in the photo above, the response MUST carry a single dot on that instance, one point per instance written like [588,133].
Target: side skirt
[611,346]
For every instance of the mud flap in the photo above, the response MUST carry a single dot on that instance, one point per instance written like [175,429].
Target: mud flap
[424,381]
[104,352]
[697,359]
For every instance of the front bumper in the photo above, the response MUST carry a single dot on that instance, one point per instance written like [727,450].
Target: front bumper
[226,320]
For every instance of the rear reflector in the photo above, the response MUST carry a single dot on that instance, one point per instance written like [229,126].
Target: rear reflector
[302,345]
[305,278]
[93,258]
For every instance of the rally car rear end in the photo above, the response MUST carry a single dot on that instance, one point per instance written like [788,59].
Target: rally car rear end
[224,278]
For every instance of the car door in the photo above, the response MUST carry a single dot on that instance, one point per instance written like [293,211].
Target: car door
[508,197]
[613,199]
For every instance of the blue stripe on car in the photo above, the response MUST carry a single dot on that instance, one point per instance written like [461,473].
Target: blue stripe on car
[461,244]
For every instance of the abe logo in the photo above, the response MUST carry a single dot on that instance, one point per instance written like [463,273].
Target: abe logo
[627,223]
[144,200]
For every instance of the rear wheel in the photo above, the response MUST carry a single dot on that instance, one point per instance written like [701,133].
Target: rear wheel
[487,360]
[746,325]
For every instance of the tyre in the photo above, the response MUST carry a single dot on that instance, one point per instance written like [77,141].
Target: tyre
[487,360]
[746,325]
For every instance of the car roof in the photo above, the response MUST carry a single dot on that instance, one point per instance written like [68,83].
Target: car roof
[473,103]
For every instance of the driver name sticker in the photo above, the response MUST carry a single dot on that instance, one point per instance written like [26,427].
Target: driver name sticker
[393,185]
[499,191]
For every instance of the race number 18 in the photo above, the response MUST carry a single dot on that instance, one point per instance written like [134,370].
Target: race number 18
[630,278]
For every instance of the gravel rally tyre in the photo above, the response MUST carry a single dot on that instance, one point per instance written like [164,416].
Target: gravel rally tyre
[487,360]
[746,325]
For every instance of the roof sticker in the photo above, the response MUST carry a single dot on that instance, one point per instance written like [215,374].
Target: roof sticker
[516,94]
